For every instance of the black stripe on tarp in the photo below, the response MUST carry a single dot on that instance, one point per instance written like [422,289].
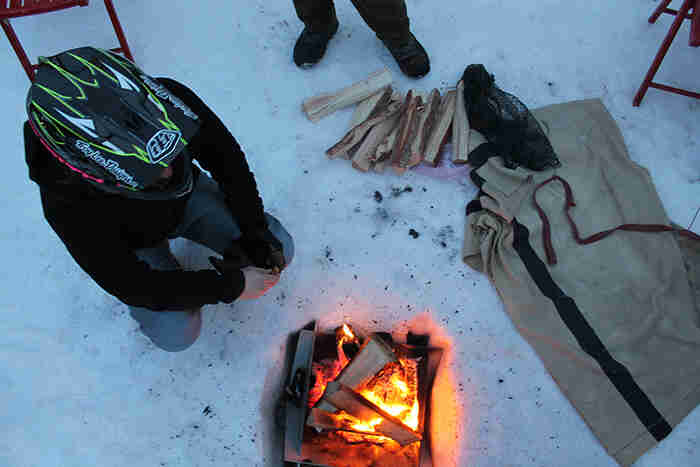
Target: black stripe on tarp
[589,341]
[477,179]
[473,206]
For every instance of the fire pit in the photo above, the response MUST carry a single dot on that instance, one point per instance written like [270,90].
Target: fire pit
[355,399]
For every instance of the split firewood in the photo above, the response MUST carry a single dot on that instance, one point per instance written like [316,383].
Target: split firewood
[464,138]
[319,106]
[405,161]
[409,158]
[364,156]
[343,398]
[374,355]
[383,151]
[348,155]
[367,106]
[406,128]
[425,122]
[355,135]
[379,166]
[439,130]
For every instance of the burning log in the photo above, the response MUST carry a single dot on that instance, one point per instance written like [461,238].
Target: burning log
[438,131]
[322,420]
[343,398]
[326,421]
[406,130]
[401,390]
[373,356]
[319,106]
[464,138]
[347,346]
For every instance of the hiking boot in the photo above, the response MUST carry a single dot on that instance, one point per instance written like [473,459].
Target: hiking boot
[410,55]
[311,45]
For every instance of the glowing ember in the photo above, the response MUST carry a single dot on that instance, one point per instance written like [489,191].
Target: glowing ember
[324,372]
[368,427]
[348,332]
[395,390]
[327,370]
[380,406]
[354,423]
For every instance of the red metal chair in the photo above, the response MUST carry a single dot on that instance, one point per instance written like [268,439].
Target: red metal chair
[16,8]
[682,14]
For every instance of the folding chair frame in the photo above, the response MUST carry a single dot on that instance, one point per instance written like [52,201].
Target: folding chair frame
[29,68]
[681,15]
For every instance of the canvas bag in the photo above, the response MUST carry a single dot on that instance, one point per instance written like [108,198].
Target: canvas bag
[616,323]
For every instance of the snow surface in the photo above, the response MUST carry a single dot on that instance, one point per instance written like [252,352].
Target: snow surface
[82,387]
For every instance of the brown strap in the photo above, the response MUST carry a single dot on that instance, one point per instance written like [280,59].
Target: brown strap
[547,231]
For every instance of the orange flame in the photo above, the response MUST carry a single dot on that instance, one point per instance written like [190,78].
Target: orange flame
[398,396]
[367,426]
[329,370]
[393,389]
[348,332]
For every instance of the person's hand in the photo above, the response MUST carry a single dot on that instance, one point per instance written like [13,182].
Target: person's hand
[263,249]
[257,282]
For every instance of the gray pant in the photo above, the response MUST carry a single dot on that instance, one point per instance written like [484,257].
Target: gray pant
[206,221]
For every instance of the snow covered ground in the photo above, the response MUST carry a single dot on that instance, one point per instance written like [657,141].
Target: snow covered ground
[81,387]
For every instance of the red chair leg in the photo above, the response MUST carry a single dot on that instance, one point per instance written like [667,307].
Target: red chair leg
[662,52]
[695,27]
[659,11]
[23,59]
[118,29]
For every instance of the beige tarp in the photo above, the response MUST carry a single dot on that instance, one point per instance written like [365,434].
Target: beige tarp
[630,300]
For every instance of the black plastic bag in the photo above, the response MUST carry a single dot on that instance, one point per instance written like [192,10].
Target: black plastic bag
[506,123]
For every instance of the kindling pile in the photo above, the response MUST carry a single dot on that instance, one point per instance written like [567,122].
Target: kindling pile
[392,129]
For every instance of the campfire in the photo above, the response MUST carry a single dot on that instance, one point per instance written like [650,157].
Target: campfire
[359,400]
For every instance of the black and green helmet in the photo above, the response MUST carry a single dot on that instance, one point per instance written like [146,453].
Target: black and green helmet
[104,118]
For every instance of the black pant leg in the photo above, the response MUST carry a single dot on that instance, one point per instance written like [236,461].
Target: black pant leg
[316,15]
[387,18]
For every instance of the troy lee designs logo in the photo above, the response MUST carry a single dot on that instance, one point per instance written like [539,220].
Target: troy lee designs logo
[111,166]
[162,144]
[163,93]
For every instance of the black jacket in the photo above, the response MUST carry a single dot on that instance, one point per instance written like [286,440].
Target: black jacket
[101,230]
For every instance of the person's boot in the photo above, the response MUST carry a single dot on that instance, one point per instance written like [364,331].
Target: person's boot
[410,55]
[311,45]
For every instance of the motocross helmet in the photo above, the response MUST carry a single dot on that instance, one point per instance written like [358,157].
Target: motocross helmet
[101,116]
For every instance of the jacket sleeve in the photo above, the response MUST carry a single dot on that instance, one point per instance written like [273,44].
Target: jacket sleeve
[215,148]
[121,273]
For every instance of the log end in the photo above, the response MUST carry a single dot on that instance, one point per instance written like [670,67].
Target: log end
[399,170]
[361,167]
